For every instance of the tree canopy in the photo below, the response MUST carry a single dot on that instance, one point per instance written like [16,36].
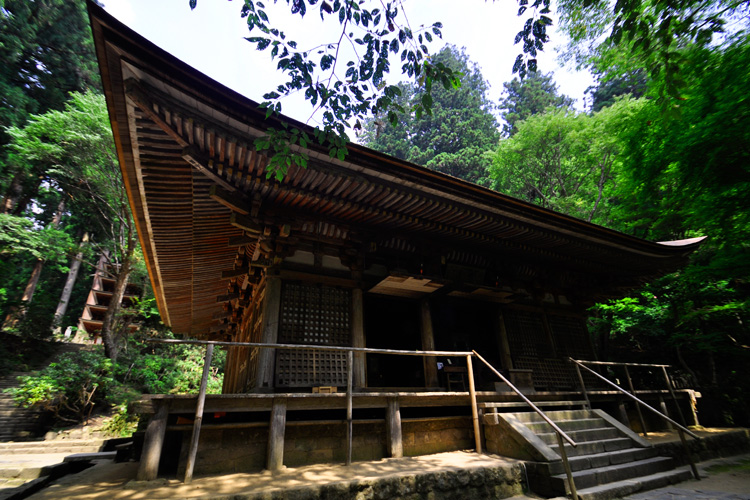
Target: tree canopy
[456,137]
[46,51]
[532,95]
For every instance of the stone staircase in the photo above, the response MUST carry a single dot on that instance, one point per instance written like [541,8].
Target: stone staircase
[17,424]
[610,460]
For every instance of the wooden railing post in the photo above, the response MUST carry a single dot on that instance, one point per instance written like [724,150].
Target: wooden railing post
[349,426]
[637,406]
[583,386]
[566,464]
[682,419]
[198,415]
[474,410]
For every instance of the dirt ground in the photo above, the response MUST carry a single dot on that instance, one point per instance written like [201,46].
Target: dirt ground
[725,479]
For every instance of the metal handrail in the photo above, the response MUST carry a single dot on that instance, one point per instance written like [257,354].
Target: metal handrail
[680,428]
[561,434]
[615,363]
[636,399]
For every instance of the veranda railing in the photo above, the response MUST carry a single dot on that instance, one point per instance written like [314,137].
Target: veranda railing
[350,355]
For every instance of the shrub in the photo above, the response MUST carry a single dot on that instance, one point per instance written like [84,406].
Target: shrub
[70,388]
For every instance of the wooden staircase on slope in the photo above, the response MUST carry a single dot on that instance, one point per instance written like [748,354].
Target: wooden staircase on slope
[610,460]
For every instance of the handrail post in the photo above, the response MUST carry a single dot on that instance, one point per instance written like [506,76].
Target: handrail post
[631,396]
[474,411]
[566,464]
[668,380]
[688,454]
[198,416]
[682,418]
[349,426]
[583,386]
[637,406]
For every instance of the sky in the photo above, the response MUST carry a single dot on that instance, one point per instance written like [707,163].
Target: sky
[211,39]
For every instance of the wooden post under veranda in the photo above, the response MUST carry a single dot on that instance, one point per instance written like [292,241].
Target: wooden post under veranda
[198,415]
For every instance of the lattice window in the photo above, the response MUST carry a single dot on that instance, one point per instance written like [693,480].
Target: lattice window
[526,334]
[317,315]
[531,348]
[571,338]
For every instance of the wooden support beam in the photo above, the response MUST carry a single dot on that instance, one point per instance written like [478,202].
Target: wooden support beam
[245,223]
[152,444]
[205,166]
[241,241]
[227,297]
[275,457]
[393,429]
[233,273]
[232,200]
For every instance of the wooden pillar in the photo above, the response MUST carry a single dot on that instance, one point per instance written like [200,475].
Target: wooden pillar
[269,335]
[393,429]
[503,340]
[193,451]
[428,344]
[275,458]
[152,444]
[358,338]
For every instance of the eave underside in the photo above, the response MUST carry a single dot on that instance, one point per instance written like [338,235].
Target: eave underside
[190,166]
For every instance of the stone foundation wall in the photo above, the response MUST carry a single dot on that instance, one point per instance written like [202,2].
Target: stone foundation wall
[725,444]
[436,435]
[490,483]
[244,450]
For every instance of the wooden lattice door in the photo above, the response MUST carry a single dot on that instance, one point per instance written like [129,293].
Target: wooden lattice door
[317,315]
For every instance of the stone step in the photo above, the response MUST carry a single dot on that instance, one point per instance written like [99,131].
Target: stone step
[65,445]
[582,436]
[620,489]
[585,462]
[568,425]
[532,416]
[613,473]
[594,447]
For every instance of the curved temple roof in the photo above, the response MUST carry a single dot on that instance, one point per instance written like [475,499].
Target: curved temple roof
[196,186]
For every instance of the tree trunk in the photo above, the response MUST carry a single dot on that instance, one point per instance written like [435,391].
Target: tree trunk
[75,266]
[16,314]
[14,193]
[111,348]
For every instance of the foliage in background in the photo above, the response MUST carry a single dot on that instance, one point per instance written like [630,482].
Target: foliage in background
[456,137]
[80,383]
[154,368]
[565,161]
[46,52]
[681,177]
[530,96]
[73,151]
[70,388]
[648,35]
